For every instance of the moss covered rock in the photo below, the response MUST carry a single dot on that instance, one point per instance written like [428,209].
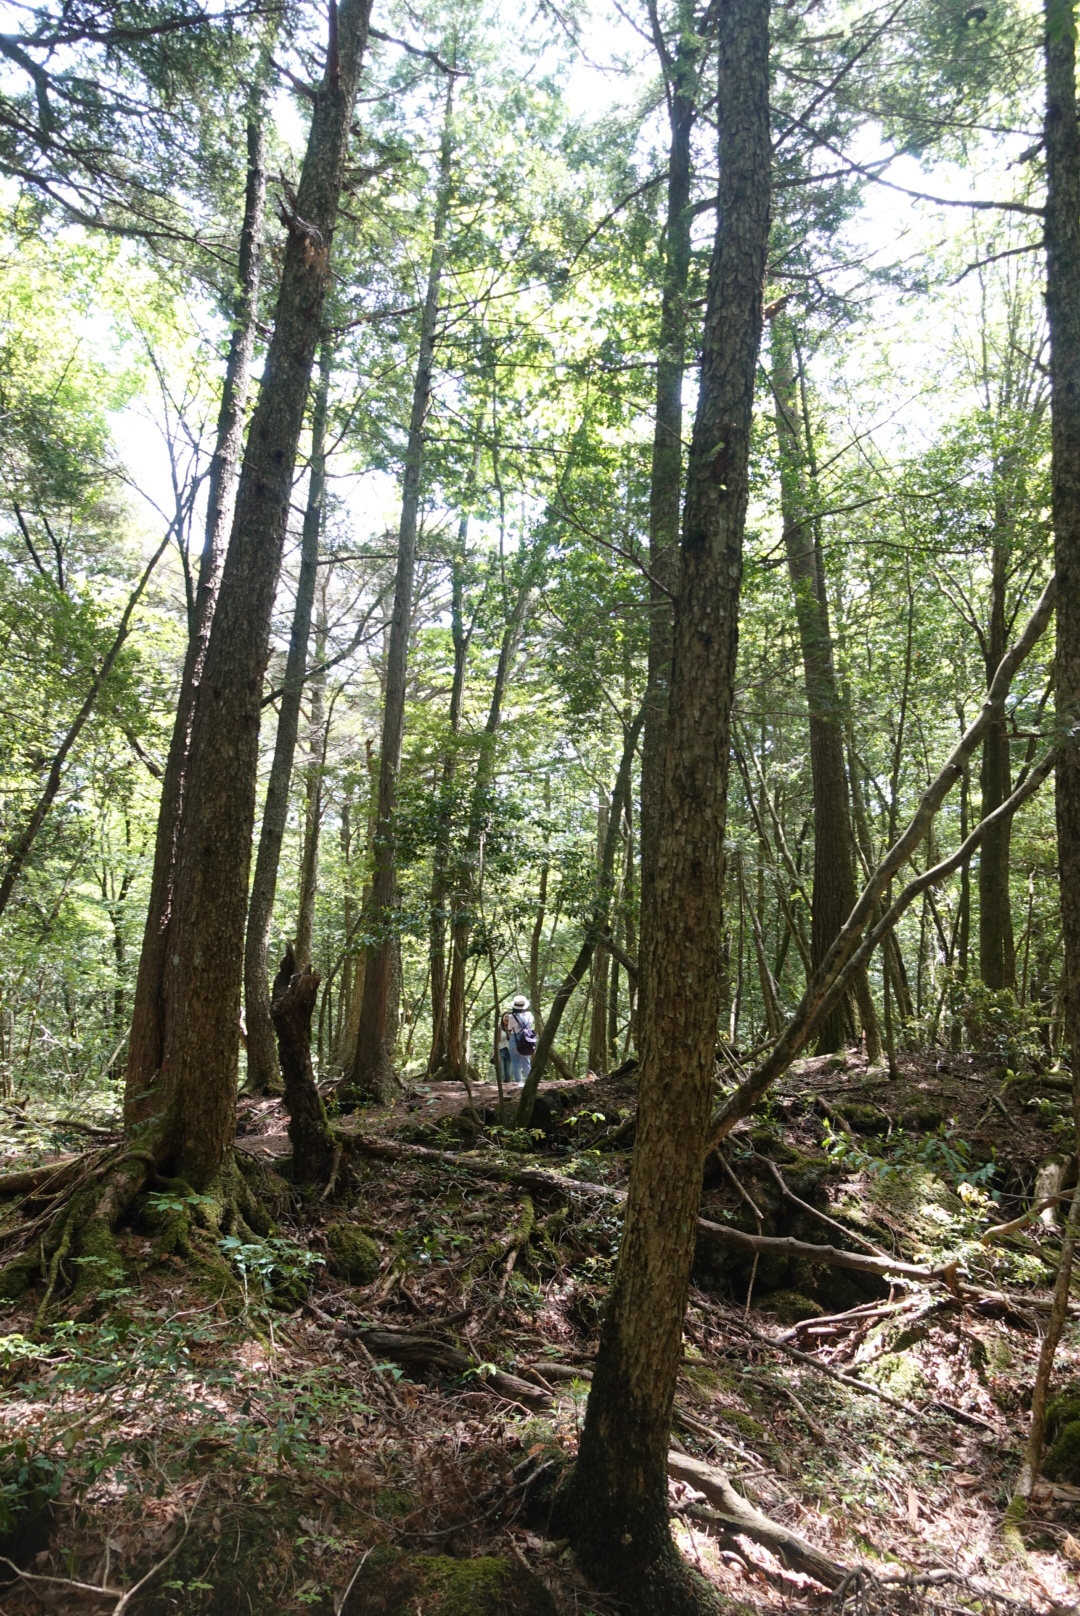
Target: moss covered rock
[395,1584]
[1062,1462]
[354,1256]
[864,1119]
[790,1307]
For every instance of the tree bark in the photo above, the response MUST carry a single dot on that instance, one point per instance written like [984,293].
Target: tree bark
[263,1074]
[147,1042]
[292,1002]
[373,1075]
[1061,139]
[665,486]
[833,893]
[1062,227]
[185,1106]
[618,1506]
[598,1039]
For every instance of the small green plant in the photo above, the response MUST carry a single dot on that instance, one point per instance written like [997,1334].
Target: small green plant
[942,1152]
[273,1264]
[992,1022]
[29,1482]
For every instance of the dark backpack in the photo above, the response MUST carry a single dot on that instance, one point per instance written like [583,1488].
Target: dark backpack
[525,1037]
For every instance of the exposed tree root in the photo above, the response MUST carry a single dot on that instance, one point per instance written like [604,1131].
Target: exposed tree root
[62,1229]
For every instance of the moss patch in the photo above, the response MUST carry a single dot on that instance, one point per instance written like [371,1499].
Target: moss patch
[354,1255]
[897,1373]
[395,1584]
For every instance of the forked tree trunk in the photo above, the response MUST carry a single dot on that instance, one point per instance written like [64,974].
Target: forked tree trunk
[618,1514]
[665,485]
[373,1075]
[263,1074]
[147,1042]
[184,1107]
[833,895]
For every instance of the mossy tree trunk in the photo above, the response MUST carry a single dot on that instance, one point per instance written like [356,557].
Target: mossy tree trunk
[618,1510]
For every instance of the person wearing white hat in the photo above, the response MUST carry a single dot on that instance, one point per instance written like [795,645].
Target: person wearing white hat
[522,1030]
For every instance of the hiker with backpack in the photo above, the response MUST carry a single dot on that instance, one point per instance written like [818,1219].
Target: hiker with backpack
[522,1031]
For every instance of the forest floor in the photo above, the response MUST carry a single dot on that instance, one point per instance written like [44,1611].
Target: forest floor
[265,1440]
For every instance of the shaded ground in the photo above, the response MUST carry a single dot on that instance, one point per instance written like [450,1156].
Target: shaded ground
[291,1451]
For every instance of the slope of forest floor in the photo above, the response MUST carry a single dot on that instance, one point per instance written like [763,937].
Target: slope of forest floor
[253,1438]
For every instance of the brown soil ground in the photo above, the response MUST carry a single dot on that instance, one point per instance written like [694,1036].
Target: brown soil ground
[290,1452]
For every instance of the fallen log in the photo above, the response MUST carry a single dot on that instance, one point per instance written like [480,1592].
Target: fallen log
[781,1246]
[737,1514]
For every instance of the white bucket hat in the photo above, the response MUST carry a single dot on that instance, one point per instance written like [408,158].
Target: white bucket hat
[520,1003]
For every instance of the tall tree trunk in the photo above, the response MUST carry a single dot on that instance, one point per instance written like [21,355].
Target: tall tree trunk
[595,926]
[147,1043]
[262,1056]
[1061,138]
[184,1106]
[318,736]
[618,1514]
[440,858]
[833,896]
[373,1074]
[997,952]
[468,863]
[598,1039]
[665,487]
[347,1038]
